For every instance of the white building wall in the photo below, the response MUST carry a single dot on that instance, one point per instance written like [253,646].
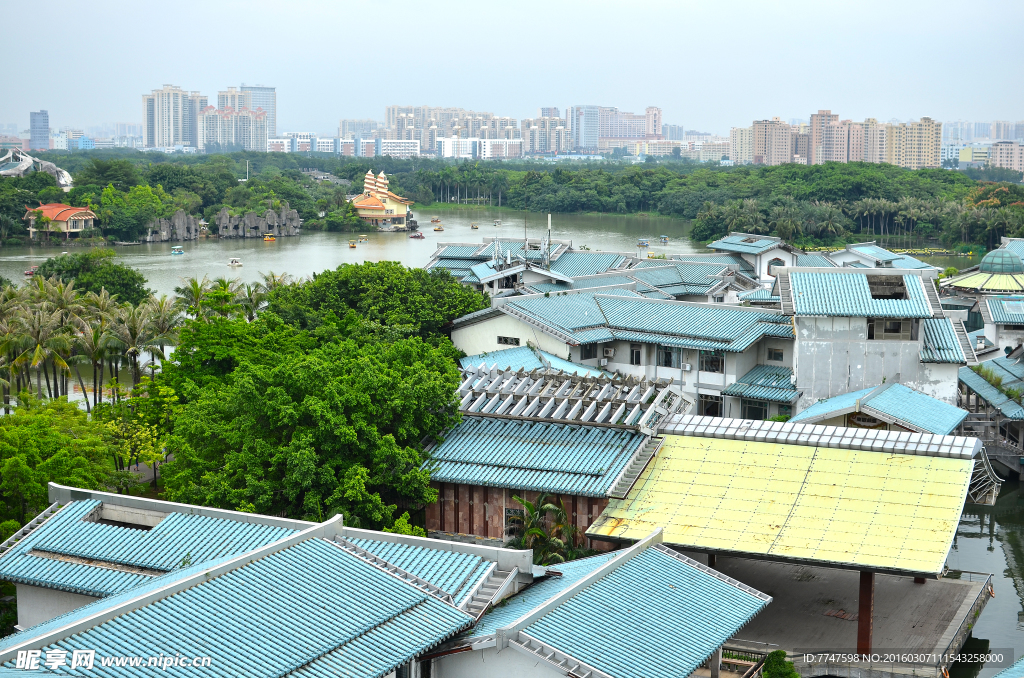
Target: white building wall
[834,356]
[37,604]
[483,336]
[492,663]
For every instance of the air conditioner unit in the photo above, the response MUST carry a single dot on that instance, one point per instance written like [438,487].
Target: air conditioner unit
[687,367]
[603,362]
[609,353]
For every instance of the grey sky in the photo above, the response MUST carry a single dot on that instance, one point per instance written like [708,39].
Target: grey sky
[710,65]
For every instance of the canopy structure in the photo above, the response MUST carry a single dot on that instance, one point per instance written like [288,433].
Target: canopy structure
[873,501]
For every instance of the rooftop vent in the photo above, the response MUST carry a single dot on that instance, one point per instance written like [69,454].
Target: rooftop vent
[751,239]
[887,287]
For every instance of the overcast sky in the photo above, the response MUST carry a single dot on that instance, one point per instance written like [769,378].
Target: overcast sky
[710,64]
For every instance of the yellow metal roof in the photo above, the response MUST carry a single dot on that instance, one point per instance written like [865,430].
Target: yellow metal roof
[852,508]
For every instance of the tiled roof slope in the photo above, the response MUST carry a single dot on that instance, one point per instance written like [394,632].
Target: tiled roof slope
[533,456]
[843,294]
[892,402]
[765,382]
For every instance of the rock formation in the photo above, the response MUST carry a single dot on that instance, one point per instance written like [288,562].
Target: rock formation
[179,227]
[285,222]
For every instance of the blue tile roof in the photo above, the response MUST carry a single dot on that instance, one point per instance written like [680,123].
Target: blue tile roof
[738,243]
[765,382]
[535,456]
[162,548]
[1009,408]
[454,573]
[684,615]
[917,409]
[896,401]
[843,294]
[350,619]
[876,252]
[575,263]
[557,363]
[1006,310]
[909,262]
[760,294]
[939,343]
[581,284]
[1015,671]
[1015,245]
[815,261]
[518,358]
[716,258]
[534,596]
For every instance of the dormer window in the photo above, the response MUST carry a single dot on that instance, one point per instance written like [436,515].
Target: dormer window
[887,287]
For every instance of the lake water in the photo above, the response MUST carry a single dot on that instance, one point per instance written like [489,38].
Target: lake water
[313,252]
[988,539]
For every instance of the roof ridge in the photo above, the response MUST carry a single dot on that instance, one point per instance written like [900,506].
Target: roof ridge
[697,565]
[376,561]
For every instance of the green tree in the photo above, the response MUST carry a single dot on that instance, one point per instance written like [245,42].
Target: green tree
[96,270]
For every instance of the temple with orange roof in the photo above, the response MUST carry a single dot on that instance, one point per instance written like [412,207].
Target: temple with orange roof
[378,206]
[64,219]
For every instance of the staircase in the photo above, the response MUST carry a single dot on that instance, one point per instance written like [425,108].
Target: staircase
[965,342]
[639,462]
[484,596]
[784,294]
[13,540]
[933,297]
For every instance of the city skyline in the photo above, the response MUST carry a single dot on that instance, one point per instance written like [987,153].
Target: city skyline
[893,69]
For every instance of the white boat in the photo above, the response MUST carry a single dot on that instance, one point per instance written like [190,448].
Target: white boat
[234,261]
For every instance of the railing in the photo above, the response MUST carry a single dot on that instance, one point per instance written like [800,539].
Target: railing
[972,616]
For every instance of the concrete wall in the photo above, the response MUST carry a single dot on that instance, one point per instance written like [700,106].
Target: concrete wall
[1003,337]
[37,604]
[483,336]
[834,356]
[492,663]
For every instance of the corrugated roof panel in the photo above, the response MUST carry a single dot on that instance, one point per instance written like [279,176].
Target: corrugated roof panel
[815,261]
[876,252]
[459,252]
[721,323]
[842,294]
[844,507]
[575,263]
[518,358]
[656,616]
[908,262]
[536,456]
[533,597]
[760,294]
[716,258]
[993,396]
[1006,310]
[765,382]
[939,343]
[454,573]
[746,244]
[350,619]
[916,408]
[825,408]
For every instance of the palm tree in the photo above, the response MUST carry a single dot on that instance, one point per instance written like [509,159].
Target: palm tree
[164,319]
[222,295]
[132,334]
[829,219]
[499,183]
[252,298]
[91,345]
[43,343]
[192,296]
[272,281]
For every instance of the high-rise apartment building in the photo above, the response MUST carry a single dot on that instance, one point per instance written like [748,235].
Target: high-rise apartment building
[227,129]
[171,117]
[914,145]
[429,123]
[1008,154]
[586,127]
[605,128]
[817,130]
[39,130]
[551,112]
[741,145]
[1003,130]
[234,99]
[544,135]
[771,142]
[801,145]
[265,98]
[363,128]
[673,132]
[835,142]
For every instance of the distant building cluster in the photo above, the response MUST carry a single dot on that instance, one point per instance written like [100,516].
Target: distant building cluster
[244,118]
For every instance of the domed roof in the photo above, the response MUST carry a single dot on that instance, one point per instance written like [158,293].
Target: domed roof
[1001,261]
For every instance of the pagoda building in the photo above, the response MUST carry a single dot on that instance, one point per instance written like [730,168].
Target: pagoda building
[378,206]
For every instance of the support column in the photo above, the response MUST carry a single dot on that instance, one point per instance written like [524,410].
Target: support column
[712,560]
[716,663]
[865,611]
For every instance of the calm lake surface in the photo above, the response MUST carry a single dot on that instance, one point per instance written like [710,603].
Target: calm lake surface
[988,540]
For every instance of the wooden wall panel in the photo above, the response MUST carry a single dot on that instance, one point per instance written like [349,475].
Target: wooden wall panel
[433,511]
[477,523]
[495,513]
[463,507]
[448,511]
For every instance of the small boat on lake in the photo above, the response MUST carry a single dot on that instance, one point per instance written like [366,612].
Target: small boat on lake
[643,242]
[474,226]
[363,238]
[439,227]
[497,223]
[269,237]
[234,262]
[664,239]
[177,249]
[435,220]
[352,244]
[31,271]
[417,236]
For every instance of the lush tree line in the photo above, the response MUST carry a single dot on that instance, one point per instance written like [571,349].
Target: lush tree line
[129,190]
[303,398]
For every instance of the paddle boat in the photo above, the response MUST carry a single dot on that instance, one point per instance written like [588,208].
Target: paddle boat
[474,226]
[439,227]
[31,271]
[664,239]
[269,237]
[234,262]
[497,223]
[643,242]
[177,249]
[417,236]
[435,220]
[352,244]
[363,238]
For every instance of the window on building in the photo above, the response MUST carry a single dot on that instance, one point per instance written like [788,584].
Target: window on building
[754,409]
[588,351]
[774,264]
[712,361]
[513,521]
[892,330]
[668,356]
[508,341]
[711,405]
[634,354]
[775,354]
[786,410]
